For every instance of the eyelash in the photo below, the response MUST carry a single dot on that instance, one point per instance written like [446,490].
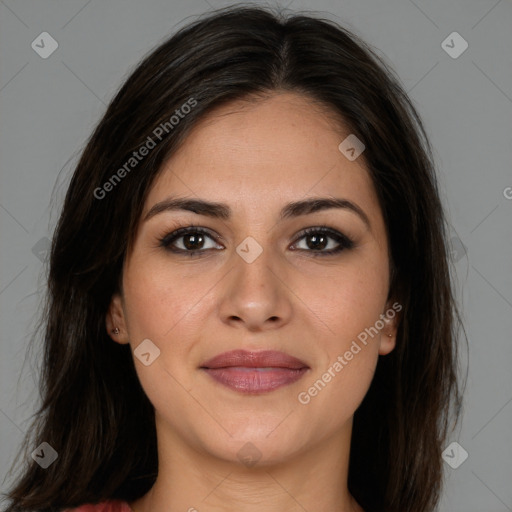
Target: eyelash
[344,241]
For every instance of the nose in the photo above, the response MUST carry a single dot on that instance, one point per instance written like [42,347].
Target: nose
[255,295]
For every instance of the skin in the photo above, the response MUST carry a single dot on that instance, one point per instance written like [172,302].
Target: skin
[256,157]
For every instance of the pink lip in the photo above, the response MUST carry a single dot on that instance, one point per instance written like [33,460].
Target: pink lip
[255,372]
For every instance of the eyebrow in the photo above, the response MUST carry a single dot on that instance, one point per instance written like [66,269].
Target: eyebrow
[223,211]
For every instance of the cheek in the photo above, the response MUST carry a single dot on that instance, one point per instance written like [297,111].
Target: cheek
[348,303]
[346,299]
[161,300]
[349,306]
[159,306]
[331,397]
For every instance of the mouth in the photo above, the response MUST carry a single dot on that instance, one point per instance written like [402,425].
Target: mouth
[255,372]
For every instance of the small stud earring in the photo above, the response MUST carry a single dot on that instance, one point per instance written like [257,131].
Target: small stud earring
[116,330]
[390,335]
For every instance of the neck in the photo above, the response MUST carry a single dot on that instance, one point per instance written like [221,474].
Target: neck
[194,481]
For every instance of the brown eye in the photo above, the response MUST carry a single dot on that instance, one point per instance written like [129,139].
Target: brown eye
[189,240]
[193,241]
[319,239]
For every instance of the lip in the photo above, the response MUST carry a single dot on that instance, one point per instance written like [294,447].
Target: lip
[255,372]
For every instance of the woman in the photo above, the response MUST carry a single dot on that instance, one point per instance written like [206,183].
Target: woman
[249,294]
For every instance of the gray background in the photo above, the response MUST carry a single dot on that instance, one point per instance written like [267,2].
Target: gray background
[48,107]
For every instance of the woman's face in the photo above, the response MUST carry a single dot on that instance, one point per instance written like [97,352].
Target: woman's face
[258,283]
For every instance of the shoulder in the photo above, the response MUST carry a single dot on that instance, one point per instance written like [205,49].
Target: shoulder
[104,506]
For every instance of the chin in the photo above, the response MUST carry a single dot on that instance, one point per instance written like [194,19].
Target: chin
[263,444]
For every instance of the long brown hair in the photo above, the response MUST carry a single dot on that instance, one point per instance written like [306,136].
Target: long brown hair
[93,411]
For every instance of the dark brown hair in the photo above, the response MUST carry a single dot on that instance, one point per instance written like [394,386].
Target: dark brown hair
[94,412]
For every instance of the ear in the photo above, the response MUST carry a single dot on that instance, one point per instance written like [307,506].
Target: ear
[116,318]
[391,319]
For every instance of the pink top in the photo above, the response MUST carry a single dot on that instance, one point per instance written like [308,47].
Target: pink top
[104,506]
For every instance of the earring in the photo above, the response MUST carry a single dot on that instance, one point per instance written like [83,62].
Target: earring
[390,335]
[116,330]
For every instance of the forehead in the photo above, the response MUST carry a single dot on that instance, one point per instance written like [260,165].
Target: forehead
[263,153]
